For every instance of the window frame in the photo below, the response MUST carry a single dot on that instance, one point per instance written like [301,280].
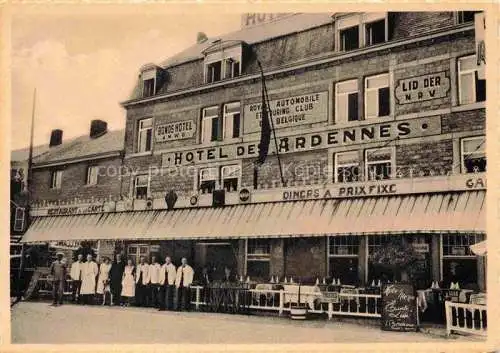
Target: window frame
[463,169]
[148,186]
[334,239]
[336,165]
[140,130]
[18,218]
[360,20]
[56,179]
[225,125]
[367,164]
[468,253]
[460,20]
[366,79]
[474,72]
[89,175]
[365,31]
[232,54]
[222,179]
[338,95]
[216,178]
[204,118]
[153,92]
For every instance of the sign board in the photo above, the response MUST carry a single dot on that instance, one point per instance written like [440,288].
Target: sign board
[421,247]
[458,250]
[422,88]
[291,111]
[367,189]
[399,307]
[175,131]
[73,210]
[254,19]
[480,29]
[326,138]
[342,250]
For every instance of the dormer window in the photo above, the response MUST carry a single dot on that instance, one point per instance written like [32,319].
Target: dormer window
[222,62]
[149,76]
[361,30]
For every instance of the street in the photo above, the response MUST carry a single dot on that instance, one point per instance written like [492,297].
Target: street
[36,322]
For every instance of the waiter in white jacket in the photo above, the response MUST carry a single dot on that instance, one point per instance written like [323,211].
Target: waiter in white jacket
[76,278]
[168,274]
[183,280]
[141,282]
[154,281]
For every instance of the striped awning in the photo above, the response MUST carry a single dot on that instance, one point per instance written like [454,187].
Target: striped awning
[424,213]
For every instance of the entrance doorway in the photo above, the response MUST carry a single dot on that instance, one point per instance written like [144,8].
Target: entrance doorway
[215,256]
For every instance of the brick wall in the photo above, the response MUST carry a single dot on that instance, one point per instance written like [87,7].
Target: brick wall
[472,120]
[74,181]
[408,24]
[425,157]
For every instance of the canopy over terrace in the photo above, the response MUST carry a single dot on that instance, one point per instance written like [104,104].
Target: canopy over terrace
[462,212]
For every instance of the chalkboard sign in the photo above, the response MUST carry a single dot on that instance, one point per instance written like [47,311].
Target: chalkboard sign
[399,308]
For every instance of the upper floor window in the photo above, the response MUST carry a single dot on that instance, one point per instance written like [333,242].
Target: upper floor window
[149,73]
[471,88]
[466,16]
[141,186]
[208,180]
[19,219]
[92,174]
[377,96]
[232,116]
[222,63]
[211,127]
[56,179]
[144,135]
[473,154]
[347,167]
[148,87]
[230,176]
[361,30]
[379,163]
[346,101]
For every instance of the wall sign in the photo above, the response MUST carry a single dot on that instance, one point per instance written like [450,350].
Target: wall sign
[309,141]
[73,210]
[399,307]
[476,183]
[344,190]
[458,250]
[422,88]
[290,111]
[244,195]
[175,131]
[421,247]
[254,19]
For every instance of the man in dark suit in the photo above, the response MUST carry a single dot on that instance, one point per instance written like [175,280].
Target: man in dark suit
[58,273]
[115,279]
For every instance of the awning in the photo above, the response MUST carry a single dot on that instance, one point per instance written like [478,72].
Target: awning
[479,248]
[425,213]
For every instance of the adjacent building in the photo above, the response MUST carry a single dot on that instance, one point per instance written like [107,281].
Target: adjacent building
[379,122]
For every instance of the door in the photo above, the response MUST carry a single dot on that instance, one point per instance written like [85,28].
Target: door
[215,257]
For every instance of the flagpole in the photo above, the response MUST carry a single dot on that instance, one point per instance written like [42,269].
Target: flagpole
[283,182]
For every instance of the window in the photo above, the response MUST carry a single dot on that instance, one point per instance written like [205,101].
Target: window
[471,88]
[92,174]
[232,120]
[211,129]
[144,135]
[473,155]
[19,219]
[56,179]
[231,68]
[137,251]
[214,71]
[349,38]
[258,258]
[466,16]
[347,167]
[377,97]
[226,176]
[141,186]
[379,163]
[375,32]
[343,258]
[208,180]
[148,87]
[346,105]
[459,263]
[230,177]
[375,272]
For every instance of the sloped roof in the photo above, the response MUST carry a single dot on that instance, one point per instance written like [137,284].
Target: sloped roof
[84,146]
[22,154]
[294,23]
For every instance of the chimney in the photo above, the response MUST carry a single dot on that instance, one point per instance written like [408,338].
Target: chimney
[98,128]
[55,137]
[201,37]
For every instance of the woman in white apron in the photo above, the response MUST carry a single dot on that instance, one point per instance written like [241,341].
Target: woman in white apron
[103,279]
[128,283]
[89,274]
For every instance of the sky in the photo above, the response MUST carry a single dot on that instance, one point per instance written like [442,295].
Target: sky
[84,63]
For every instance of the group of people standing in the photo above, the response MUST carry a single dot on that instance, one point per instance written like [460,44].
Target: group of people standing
[162,286]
